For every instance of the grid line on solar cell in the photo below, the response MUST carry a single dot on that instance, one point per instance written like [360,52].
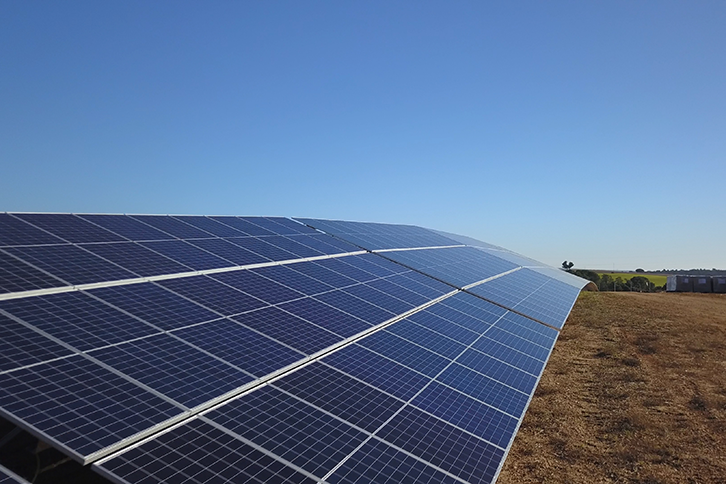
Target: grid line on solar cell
[70,228]
[14,231]
[377,370]
[127,227]
[341,395]
[173,368]
[229,251]
[443,445]
[20,346]
[70,263]
[258,286]
[244,225]
[81,405]
[187,254]
[289,329]
[136,258]
[288,427]
[77,319]
[17,276]
[392,467]
[213,295]
[155,305]
[172,226]
[209,225]
[9,477]
[369,314]
[326,316]
[223,458]
[242,347]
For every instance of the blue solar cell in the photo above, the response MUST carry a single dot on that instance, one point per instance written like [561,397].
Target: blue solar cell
[9,477]
[375,264]
[289,428]
[77,319]
[136,258]
[485,388]
[91,407]
[498,370]
[378,371]
[528,329]
[240,346]
[245,225]
[405,352]
[326,316]
[357,307]
[127,227]
[172,226]
[16,276]
[260,287]
[284,226]
[203,452]
[321,274]
[341,267]
[392,289]
[260,247]
[466,413]
[443,326]
[509,355]
[427,287]
[187,254]
[173,368]
[21,346]
[230,251]
[213,295]
[347,398]
[209,225]
[520,344]
[381,236]
[380,299]
[379,463]
[71,264]
[293,246]
[14,231]
[289,329]
[155,305]
[445,446]
[293,279]
[474,306]
[469,322]
[322,243]
[430,340]
[70,227]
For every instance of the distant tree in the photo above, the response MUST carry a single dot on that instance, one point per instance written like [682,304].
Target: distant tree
[567,265]
[639,270]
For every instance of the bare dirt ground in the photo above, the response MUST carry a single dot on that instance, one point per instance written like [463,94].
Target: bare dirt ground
[635,392]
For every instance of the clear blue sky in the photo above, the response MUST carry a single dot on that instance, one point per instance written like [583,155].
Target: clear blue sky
[586,131]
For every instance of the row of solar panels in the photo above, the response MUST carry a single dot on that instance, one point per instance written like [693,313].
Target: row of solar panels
[94,370]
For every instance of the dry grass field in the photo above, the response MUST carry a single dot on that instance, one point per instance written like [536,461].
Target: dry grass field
[635,392]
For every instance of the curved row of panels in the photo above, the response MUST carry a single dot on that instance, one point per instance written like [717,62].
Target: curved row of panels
[354,367]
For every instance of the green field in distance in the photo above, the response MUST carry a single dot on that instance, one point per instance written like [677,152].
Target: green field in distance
[658,280]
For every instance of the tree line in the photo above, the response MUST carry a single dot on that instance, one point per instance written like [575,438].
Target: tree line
[606,282]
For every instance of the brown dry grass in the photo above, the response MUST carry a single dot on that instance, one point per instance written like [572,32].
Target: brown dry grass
[635,392]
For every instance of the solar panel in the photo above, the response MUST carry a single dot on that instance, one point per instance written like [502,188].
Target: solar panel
[223,352]
[9,477]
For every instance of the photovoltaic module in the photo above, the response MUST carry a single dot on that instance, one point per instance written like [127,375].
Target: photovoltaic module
[192,349]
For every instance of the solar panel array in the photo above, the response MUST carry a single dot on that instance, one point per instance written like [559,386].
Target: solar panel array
[261,349]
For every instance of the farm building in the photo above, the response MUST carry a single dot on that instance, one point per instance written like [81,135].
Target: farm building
[696,283]
[679,283]
[702,284]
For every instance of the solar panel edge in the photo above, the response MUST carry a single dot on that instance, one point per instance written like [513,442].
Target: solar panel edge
[524,412]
